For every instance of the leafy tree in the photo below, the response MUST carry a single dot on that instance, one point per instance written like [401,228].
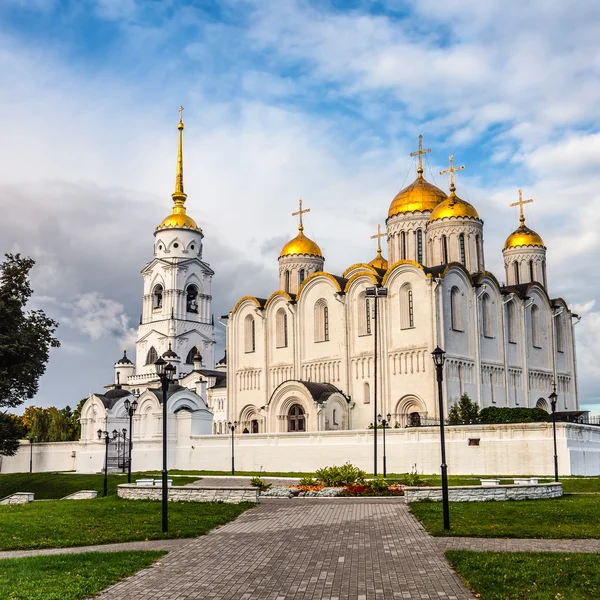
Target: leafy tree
[11,431]
[25,341]
[463,412]
[515,414]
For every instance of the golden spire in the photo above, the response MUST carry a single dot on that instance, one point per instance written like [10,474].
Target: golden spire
[420,153]
[300,213]
[179,196]
[452,170]
[520,204]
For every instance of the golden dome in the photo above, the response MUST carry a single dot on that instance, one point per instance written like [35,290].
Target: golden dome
[178,221]
[379,262]
[454,207]
[523,236]
[301,245]
[419,196]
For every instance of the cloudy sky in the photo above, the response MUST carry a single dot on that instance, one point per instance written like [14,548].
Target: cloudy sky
[284,99]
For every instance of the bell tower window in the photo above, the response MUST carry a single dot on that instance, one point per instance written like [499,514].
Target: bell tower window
[157,297]
[192,299]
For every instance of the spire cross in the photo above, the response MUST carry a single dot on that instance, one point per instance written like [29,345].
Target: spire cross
[420,153]
[300,213]
[379,235]
[520,204]
[452,170]
[179,195]
[181,114]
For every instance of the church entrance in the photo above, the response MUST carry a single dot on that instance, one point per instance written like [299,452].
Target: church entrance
[296,418]
[254,426]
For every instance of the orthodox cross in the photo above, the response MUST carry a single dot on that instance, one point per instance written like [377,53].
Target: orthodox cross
[420,153]
[181,114]
[379,235]
[452,170]
[520,204]
[300,213]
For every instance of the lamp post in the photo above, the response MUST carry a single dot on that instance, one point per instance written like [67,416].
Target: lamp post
[130,408]
[385,423]
[375,292]
[553,397]
[439,357]
[165,372]
[31,442]
[104,435]
[232,427]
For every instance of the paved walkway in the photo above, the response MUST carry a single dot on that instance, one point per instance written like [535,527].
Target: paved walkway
[517,545]
[304,549]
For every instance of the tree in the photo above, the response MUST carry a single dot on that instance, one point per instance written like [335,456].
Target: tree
[11,431]
[25,341]
[463,412]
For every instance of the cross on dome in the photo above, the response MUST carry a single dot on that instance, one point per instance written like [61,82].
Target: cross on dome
[378,236]
[420,153]
[452,170]
[300,213]
[520,204]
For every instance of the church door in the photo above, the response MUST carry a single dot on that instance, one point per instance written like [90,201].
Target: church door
[296,418]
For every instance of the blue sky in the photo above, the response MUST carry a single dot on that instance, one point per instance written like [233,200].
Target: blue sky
[284,99]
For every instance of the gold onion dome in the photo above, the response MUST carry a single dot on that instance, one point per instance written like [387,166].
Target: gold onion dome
[379,262]
[454,207]
[523,236]
[178,219]
[419,196]
[301,245]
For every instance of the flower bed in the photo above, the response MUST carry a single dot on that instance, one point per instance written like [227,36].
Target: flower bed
[330,492]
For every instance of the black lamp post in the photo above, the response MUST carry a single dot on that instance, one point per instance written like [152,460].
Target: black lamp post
[375,293]
[31,442]
[130,408]
[232,427]
[385,424]
[165,372]
[106,436]
[553,397]
[439,357]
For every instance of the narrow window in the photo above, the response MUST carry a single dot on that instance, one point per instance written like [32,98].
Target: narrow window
[486,316]
[152,356]
[287,281]
[511,322]
[531,273]
[403,245]
[407,317]
[444,250]
[157,297]
[326,323]
[544,273]
[535,326]
[455,310]
[192,299]
[516,267]
[461,242]
[321,321]
[478,253]
[249,334]
[368,315]
[281,331]
[363,315]
[560,342]
[301,275]
[419,246]
[366,393]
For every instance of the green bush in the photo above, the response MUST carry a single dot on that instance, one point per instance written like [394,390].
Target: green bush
[308,481]
[340,476]
[463,412]
[496,414]
[413,479]
[259,483]
[377,485]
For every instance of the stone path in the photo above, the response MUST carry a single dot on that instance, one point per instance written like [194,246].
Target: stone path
[517,545]
[304,549]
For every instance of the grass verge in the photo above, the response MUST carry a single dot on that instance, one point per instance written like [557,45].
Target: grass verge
[531,575]
[64,523]
[68,576]
[562,518]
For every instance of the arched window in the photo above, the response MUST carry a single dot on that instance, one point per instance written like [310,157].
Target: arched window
[192,299]
[366,393]
[220,428]
[189,359]
[420,246]
[560,338]
[286,284]
[456,309]
[478,252]
[444,250]
[152,356]
[516,268]
[403,245]
[321,321]
[535,327]
[407,317]
[364,314]
[461,244]
[254,426]
[296,418]
[531,271]
[486,315]
[302,275]
[157,297]
[281,329]
[249,334]
[544,273]
[511,322]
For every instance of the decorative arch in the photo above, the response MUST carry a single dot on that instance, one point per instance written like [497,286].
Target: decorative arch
[543,404]
[281,328]
[410,411]
[157,296]
[312,276]
[249,334]
[321,317]
[275,295]
[241,301]
[296,417]
[151,356]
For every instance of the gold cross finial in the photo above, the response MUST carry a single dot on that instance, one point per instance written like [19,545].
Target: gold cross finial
[420,153]
[379,235]
[179,195]
[452,170]
[300,213]
[520,204]
[181,114]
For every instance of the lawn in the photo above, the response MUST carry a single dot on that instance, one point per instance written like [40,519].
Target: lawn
[63,523]
[49,486]
[573,516]
[68,576]
[531,575]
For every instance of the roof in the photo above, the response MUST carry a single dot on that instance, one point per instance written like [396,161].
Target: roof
[321,391]
[124,360]
[173,389]
[110,398]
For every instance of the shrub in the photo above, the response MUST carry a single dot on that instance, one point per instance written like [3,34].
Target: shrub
[496,414]
[307,481]
[259,483]
[361,489]
[413,479]
[379,484]
[340,476]
[463,412]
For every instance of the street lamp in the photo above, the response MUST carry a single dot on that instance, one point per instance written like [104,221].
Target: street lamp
[232,427]
[375,292]
[130,408]
[31,442]
[553,397]
[104,435]
[439,357]
[165,372]
[385,423]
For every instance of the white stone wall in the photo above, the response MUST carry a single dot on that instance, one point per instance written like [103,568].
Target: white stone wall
[56,456]
[483,493]
[189,493]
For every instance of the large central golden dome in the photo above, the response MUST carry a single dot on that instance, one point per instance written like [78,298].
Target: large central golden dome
[419,196]
[301,245]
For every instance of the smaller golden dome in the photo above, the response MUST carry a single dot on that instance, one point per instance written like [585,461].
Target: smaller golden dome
[178,221]
[301,245]
[419,196]
[523,236]
[454,207]
[379,262]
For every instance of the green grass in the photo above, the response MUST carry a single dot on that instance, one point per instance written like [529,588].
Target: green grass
[68,576]
[568,517]
[530,575]
[51,486]
[63,523]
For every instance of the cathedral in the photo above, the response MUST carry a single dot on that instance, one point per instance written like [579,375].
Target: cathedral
[302,359]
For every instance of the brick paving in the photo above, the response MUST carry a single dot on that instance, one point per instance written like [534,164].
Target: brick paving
[304,549]
[517,545]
